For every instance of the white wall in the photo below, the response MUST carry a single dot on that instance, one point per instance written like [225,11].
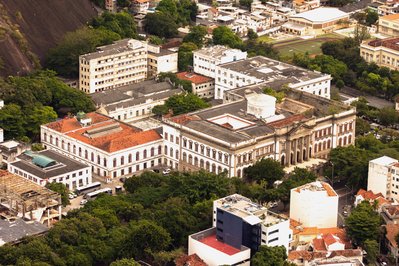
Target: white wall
[284,234]
[378,179]
[314,208]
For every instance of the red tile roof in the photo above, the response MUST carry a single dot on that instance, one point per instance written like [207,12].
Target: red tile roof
[319,244]
[287,121]
[191,260]
[193,77]
[218,245]
[329,239]
[127,136]
[183,119]
[370,196]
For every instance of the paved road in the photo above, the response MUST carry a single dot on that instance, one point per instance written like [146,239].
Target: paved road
[373,101]
[345,198]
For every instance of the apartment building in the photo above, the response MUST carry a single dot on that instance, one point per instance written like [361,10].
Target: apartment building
[140,6]
[121,63]
[48,166]
[305,5]
[383,177]
[314,205]
[240,227]
[110,147]
[202,86]
[389,25]
[250,126]
[271,73]
[134,101]
[206,59]
[110,5]
[384,53]
[161,60]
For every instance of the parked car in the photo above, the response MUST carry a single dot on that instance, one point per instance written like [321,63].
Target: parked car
[345,213]
[72,195]
[83,202]
[273,204]
[122,179]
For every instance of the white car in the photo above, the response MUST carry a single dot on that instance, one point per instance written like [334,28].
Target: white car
[70,196]
[83,202]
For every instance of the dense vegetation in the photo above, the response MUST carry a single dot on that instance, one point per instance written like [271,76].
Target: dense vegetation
[181,104]
[37,99]
[109,27]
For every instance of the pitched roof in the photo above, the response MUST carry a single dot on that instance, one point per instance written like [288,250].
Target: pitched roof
[121,136]
[329,239]
[193,77]
[370,196]
[318,244]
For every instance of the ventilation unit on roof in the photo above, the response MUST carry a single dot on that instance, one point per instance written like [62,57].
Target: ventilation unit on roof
[261,105]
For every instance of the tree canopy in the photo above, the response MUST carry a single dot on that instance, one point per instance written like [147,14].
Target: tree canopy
[223,35]
[181,104]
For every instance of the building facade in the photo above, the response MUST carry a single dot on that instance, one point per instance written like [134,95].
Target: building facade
[246,128]
[383,177]
[271,73]
[389,25]
[121,63]
[206,59]
[111,148]
[140,6]
[314,205]
[49,166]
[384,53]
[161,60]
[202,86]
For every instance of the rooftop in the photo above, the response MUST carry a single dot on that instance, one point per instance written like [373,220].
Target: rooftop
[55,164]
[322,14]
[384,161]
[269,70]
[249,211]
[117,47]
[216,51]
[392,232]
[391,17]
[317,186]
[12,232]
[134,94]
[104,133]
[193,77]
[391,43]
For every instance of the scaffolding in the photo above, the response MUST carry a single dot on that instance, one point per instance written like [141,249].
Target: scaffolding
[21,198]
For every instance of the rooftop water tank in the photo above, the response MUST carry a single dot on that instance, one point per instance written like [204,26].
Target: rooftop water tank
[261,105]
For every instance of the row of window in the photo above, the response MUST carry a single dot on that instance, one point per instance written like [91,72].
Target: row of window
[201,163]
[206,151]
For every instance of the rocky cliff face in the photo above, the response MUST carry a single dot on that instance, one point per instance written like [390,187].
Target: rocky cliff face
[29,28]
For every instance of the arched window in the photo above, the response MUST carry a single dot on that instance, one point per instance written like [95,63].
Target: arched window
[239,172]
[63,144]
[219,169]
[166,150]
[86,154]
[45,136]
[207,166]
[114,162]
[137,156]
[350,139]
[171,152]
[144,154]
[51,139]
[152,151]
[195,161]
[315,147]
[56,142]
[105,162]
[74,149]
[340,142]
[320,146]
[226,158]
[122,160]
[92,157]
[159,149]
[129,158]
[98,159]
[213,168]
[196,147]
[328,144]
[69,146]
[324,145]
[201,163]
[344,140]
[80,151]
[177,154]
[190,159]
[184,157]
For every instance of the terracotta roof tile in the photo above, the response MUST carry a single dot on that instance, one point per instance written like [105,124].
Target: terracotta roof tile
[193,77]
[370,196]
[191,260]
[392,232]
[330,239]
[287,121]
[319,244]
[391,17]
[183,119]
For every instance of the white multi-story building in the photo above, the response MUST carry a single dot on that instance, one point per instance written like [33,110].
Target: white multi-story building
[140,6]
[239,227]
[206,59]
[271,73]
[314,205]
[200,85]
[121,63]
[112,148]
[248,127]
[161,60]
[383,177]
[49,166]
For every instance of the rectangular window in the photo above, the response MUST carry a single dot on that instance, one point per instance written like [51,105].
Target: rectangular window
[273,232]
[272,240]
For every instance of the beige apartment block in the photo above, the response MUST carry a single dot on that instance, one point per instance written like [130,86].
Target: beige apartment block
[121,63]
[384,53]
[389,25]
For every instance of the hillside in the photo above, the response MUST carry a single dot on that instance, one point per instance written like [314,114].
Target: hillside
[28,29]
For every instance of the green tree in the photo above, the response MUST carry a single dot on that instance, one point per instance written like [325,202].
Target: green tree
[362,126]
[225,36]
[196,36]
[64,58]
[252,35]
[12,121]
[388,116]
[371,17]
[181,104]
[125,262]
[269,256]
[123,3]
[160,25]
[40,115]
[62,190]
[363,224]
[267,170]
[246,3]
[169,8]
[185,55]
[155,40]
[372,249]
[278,95]
[121,23]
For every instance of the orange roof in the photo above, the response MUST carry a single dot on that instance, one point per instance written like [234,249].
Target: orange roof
[192,260]
[329,189]
[391,17]
[125,137]
[370,196]
[194,78]
[141,1]
[287,121]
[318,244]
[183,119]
[329,239]
[300,254]
[392,232]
